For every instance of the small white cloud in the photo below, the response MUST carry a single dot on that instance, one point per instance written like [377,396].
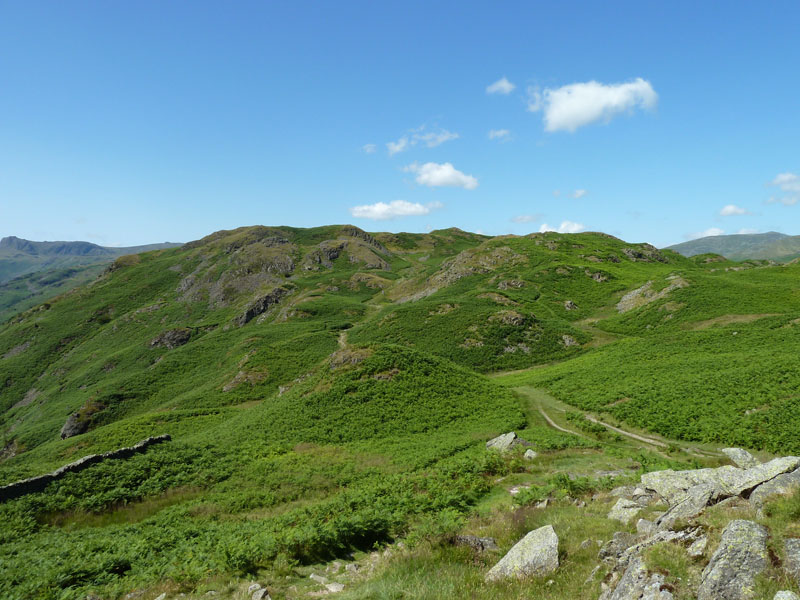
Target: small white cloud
[500,134]
[556,193]
[578,194]
[731,210]
[572,106]
[398,146]
[526,218]
[746,231]
[710,232]
[369,148]
[431,139]
[501,86]
[789,184]
[565,227]
[441,175]
[381,211]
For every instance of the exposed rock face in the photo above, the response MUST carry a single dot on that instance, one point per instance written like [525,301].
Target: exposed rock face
[786,595]
[740,557]
[529,455]
[75,425]
[171,339]
[624,510]
[535,554]
[262,305]
[568,341]
[638,584]
[570,305]
[780,485]
[741,458]
[645,295]
[697,548]
[616,546]
[727,481]
[690,505]
[792,564]
[505,442]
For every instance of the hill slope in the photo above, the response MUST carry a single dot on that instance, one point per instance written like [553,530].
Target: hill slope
[761,246]
[325,391]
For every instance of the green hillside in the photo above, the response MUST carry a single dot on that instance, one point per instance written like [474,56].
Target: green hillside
[744,246]
[326,393]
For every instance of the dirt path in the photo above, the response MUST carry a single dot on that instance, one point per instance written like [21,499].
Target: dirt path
[633,436]
[342,338]
[555,425]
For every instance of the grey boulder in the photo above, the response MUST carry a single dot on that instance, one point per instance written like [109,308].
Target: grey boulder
[624,510]
[741,458]
[739,559]
[781,485]
[792,563]
[535,554]
[638,584]
[502,442]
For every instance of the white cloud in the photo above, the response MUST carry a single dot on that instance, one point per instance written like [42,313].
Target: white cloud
[578,194]
[369,148]
[501,86]
[565,227]
[789,184]
[526,218]
[416,136]
[710,232]
[556,193]
[745,231]
[441,175]
[381,211]
[572,106]
[499,134]
[731,210]
[398,146]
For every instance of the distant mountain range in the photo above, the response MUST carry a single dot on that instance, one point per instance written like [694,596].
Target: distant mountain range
[33,272]
[22,257]
[765,246]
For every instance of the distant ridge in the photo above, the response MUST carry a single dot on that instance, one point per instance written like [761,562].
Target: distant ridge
[761,246]
[19,256]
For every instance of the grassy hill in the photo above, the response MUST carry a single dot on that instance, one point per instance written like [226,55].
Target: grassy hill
[761,246]
[326,390]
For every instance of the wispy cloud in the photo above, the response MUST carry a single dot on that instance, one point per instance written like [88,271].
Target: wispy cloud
[789,184]
[369,148]
[572,106]
[501,86]
[441,175]
[381,211]
[710,232]
[527,218]
[578,194]
[746,230]
[565,227]
[731,210]
[503,135]
[431,139]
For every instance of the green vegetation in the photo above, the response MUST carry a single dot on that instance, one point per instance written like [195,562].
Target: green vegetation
[326,391]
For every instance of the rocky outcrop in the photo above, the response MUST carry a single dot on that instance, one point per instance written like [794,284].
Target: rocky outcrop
[727,481]
[478,544]
[786,595]
[638,584]
[780,485]
[690,505]
[792,563]
[171,339]
[75,425]
[262,305]
[741,458]
[506,442]
[624,510]
[739,559]
[39,483]
[535,554]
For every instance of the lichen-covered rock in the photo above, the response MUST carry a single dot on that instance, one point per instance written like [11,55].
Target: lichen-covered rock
[529,454]
[262,305]
[779,486]
[741,458]
[690,505]
[739,559]
[792,562]
[535,554]
[502,442]
[644,527]
[698,547]
[638,584]
[727,481]
[624,510]
[476,543]
[786,595]
[613,549]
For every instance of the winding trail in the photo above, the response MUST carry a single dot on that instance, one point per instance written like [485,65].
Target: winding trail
[634,436]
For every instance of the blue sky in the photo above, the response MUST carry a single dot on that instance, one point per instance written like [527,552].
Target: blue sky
[128,123]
